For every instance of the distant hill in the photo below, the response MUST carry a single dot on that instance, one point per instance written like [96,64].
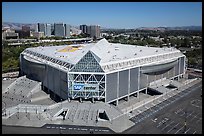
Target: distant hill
[199,28]
[17,26]
[186,28]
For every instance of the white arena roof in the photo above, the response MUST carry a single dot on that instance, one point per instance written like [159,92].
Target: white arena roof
[107,53]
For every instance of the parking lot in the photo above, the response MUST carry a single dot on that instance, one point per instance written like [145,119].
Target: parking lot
[180,114]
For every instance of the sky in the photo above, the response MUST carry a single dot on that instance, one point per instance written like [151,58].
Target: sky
[105,14]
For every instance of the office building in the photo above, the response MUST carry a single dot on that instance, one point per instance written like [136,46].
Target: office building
[94,31]
[67,30]
[52,29]
[59,29]
[48,30]
[83,28]
[42,27]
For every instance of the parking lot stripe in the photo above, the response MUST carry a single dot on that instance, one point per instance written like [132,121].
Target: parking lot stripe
[194,132]
[194,117]
[167,125]
[187,130]
[190,114]
[172,128]
[178,111]
[179,130]
[160,123]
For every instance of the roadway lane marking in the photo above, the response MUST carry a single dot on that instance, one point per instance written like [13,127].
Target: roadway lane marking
[172,128]
[179,129]
[167,125]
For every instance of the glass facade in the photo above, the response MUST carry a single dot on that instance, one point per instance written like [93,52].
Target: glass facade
[87,64]
[86,85]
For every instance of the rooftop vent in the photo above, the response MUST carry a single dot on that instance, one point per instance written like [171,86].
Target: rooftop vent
[116,48]
[114,56]
[108,51]
[156,50]
[140,50]
[135,54]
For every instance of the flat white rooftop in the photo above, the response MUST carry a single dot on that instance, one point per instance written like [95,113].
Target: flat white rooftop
[106,52]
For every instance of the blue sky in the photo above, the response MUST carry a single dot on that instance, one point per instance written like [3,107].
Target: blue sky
[106,14]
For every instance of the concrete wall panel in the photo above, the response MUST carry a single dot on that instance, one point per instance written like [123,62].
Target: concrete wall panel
[111,86]
[123,82]
[134,79]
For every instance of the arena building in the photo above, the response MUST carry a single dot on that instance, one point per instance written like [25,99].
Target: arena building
[100,71]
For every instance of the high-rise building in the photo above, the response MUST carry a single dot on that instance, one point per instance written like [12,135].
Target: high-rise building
[94,31]
[67,30]
[59,29]
[42,28]
[88,31]
[48,30]
[52,29]
[36,28]
[83,28]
